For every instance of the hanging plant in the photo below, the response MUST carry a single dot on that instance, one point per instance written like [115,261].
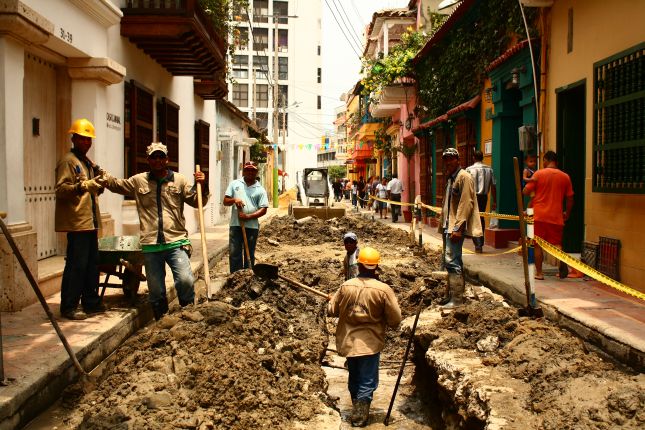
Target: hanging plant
[454,69]
[225,16]
[382,72]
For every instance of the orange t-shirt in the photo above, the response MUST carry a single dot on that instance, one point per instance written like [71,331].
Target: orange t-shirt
[551,186]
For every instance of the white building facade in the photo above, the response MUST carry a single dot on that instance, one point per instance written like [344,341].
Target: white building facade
[96,59]
[299,76]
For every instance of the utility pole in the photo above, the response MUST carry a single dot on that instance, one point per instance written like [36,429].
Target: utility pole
[276,88]
[255,100]
[284,141]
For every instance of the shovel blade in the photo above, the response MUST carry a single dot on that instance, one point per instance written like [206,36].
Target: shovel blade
[265,271]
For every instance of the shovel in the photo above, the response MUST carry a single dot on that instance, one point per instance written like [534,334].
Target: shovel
[270,271]
[88,383]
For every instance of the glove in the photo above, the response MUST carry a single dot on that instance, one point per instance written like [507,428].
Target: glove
[91,186]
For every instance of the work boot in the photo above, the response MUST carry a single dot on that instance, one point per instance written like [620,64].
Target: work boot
[361,413]
[457,285]
[75,315]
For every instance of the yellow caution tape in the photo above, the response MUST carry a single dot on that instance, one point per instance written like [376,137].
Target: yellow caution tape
[587,270]
[434,209]
[391,201]
[508,251]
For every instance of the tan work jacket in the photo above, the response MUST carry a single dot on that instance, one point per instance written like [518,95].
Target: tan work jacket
[153,199]
[463,206]
[364,307]
[74,211]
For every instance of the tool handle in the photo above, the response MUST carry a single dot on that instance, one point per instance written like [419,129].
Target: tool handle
[246,244]
[304,287]
[41,298]
[200,212]
[520,212]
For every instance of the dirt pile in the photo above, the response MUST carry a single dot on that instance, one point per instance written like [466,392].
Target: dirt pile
[562,384]
[244,362]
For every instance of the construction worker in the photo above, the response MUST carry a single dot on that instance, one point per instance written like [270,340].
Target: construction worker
[459,219]
[364,307]
[350,262]
[160,195]
[77,214]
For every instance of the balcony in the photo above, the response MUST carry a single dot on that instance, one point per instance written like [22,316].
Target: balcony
[177,34]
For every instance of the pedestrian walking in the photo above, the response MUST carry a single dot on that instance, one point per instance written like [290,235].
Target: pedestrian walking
[364,306]
[338,189]
[249,202]
[551,187]
[77,214]
[160,195]
[354,194]
[350,262]
[395,189]
[484,183]
[381,193]
[361,192]
[459,219]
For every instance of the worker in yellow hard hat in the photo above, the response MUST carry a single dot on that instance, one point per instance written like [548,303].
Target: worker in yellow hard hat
[364,307]
[77,214]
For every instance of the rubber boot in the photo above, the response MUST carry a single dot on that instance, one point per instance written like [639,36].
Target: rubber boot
[361,413]
[457,285]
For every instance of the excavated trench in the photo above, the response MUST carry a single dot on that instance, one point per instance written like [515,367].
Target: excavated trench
[252,358]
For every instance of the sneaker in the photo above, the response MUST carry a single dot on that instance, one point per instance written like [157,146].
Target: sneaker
[479,250]
[98,309]
[74,315]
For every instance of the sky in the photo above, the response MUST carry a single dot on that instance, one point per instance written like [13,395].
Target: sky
[340,62]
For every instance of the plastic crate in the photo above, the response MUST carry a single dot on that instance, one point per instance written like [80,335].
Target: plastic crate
[609,257]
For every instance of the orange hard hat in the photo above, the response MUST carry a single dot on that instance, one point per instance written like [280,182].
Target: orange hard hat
[369,257]
[82,127]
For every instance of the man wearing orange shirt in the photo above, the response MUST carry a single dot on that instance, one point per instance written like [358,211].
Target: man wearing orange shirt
[551,187]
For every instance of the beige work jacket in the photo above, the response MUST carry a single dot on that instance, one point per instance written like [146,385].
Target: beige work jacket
[73,206]
[152,200]
[463,206]
[364,307]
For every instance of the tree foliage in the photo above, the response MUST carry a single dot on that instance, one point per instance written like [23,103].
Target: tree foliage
[336,172]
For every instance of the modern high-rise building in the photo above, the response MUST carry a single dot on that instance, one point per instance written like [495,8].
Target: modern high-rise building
[295,78]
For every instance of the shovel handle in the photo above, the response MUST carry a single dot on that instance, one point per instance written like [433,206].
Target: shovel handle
[246,244]
[304,287]
[202,233]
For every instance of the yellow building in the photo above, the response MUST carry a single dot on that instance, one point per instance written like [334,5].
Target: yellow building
[595,121]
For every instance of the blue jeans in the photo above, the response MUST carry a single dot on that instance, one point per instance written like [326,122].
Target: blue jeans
[81,274]
[179,263]
[363,376]
[236,254]
[452,261]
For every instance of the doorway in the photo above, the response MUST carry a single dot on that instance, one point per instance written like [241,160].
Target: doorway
[570,146]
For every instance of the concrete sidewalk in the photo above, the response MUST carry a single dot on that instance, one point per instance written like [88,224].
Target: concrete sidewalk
[605,317]
[36,366]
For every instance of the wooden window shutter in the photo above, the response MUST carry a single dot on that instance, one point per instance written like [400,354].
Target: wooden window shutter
[138,129]
[202,134]
[169,130]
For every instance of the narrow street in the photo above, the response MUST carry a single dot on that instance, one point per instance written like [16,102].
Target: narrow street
[262,354]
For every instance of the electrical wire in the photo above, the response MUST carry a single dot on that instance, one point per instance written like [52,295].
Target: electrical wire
[350,29]
[343,31]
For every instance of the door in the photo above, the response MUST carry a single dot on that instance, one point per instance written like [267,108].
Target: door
[39,135]
[571,145]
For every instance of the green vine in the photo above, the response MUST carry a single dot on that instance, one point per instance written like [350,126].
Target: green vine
[382,72]
[454,69]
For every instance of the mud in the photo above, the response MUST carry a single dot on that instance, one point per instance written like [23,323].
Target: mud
[252,359]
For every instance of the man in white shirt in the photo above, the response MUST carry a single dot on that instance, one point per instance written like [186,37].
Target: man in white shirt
[394,189]
[484,182]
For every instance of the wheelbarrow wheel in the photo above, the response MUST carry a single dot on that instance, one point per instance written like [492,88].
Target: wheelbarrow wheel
[130,285]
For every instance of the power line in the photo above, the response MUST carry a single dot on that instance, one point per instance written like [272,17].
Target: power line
[350,29]
[343,31]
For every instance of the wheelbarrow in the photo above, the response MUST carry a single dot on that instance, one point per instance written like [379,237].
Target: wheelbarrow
[121,256]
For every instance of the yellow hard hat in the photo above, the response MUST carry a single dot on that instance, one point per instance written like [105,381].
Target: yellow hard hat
[82,127]
[369,257]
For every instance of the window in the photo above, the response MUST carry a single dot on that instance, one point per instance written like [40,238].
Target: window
[261,62]
[281,8]
[242,40]
[319,74]
[241,95]
[619,129]
[319,102]
[283,40]
[241,61]
[260,10]
[138,126]
[260,39]
[283,95]
[262,95]
[202,135]
[318,49]
[283,68]
[262,119]
[168,130]
[240,73]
